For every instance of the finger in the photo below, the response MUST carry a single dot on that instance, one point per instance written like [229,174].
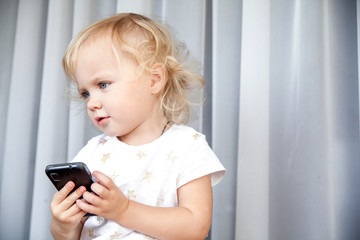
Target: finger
[104,180]
[86,207]
[76,216]
[75,211]
[100,190]
[60,195]
[80,215]
[92,199]
[70,200]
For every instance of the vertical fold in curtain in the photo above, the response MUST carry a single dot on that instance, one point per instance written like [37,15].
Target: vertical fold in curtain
[358,46]
[226,35]
[22,120]
[8,15]
[298,165]
[314,121]
[342,118]
[298,160]
[253,149]
[52,131]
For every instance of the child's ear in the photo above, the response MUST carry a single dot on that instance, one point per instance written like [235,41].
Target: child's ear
[158,78]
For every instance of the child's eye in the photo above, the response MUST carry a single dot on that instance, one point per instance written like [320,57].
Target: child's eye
[85,94]
[103,85]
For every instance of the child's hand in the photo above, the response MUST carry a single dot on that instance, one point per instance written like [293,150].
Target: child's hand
[67,216]
[109,203]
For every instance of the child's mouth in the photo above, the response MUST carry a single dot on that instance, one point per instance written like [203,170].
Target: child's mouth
[102,120]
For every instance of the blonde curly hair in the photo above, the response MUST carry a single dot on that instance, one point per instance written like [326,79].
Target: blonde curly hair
[147,42]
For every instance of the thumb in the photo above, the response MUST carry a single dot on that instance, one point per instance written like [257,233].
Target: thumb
[103,179]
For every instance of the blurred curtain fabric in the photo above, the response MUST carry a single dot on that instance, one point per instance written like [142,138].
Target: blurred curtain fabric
[282,110]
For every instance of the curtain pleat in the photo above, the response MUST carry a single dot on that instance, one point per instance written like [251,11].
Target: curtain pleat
[252,210]
[314,150]
[8,15]
[226,49]
[52,134]
[22,118]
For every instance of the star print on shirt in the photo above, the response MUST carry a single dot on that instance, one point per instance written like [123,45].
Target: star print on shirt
[91,233]
[148,176]
[113,176]
[99,219]
[105,157]
[196,136]
[171,157]
[140,154]
[103,141]
[159,202]
[116,235]
[130,194]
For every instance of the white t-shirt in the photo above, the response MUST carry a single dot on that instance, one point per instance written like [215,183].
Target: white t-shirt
[149,174]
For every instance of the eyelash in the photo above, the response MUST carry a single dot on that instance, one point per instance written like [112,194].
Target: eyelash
[85,94]
[101,85]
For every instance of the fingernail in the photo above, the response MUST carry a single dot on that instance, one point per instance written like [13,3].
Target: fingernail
[70,185]
[81,190]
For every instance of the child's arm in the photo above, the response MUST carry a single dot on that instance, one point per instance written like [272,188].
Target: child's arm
[67,217]
[190,220]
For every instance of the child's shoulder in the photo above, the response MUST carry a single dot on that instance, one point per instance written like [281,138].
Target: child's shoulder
[184,135]
[183,131]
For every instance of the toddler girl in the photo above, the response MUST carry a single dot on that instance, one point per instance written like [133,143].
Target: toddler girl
[154,175]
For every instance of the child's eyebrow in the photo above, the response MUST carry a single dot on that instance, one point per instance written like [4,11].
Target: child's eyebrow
[81,90]
[95,80]
[101,76]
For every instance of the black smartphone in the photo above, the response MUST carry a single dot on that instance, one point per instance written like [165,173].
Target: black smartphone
[78,172]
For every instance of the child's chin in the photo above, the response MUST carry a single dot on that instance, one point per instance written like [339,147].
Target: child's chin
[111,133]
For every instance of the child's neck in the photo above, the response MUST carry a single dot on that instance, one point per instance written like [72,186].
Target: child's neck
[145,133]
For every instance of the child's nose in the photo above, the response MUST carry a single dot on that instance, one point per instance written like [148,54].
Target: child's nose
[93,103]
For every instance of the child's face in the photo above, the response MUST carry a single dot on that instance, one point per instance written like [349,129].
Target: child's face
[119,99]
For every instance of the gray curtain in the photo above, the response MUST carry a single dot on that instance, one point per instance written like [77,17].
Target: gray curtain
[298,153]
[282,110]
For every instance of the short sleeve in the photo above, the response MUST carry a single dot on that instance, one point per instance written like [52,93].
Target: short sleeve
[199,161]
